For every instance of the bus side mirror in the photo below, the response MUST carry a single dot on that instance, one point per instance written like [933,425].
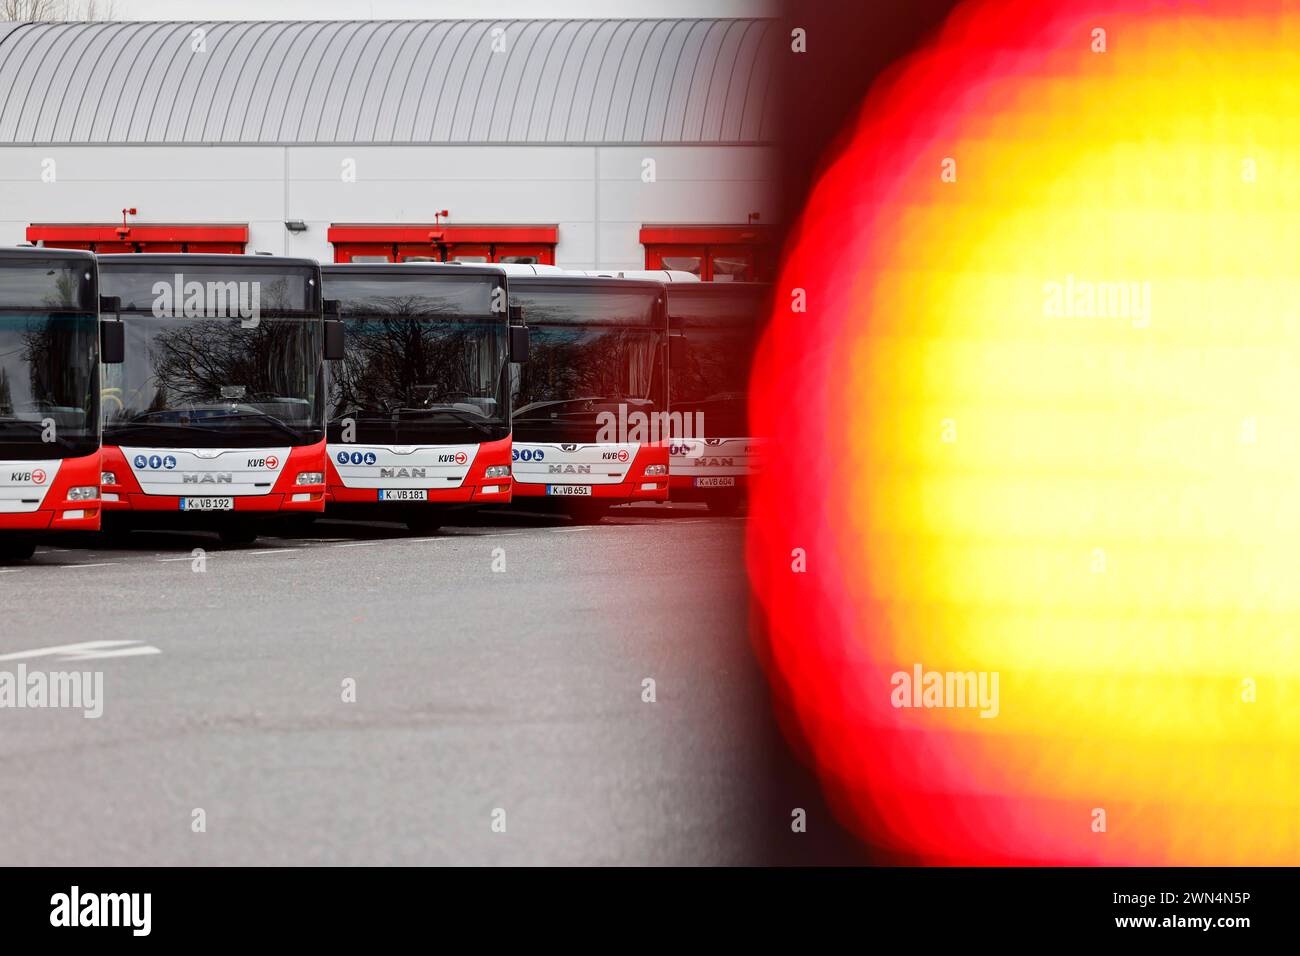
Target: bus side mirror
[519,343]
[676,350]
[335,348]
[112,333]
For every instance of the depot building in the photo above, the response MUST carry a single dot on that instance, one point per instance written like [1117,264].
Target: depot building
[590,144]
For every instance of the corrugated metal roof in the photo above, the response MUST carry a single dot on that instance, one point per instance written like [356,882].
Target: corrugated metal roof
[558,81]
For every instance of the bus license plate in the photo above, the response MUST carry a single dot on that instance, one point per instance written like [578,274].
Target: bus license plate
[403,494]
[207,504]
[728,482]
[566,491]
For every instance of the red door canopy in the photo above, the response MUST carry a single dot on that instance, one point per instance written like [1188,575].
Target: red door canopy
[141,237]
[443,243]
[714,253]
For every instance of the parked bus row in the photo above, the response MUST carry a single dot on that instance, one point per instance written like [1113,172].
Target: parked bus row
[219,392]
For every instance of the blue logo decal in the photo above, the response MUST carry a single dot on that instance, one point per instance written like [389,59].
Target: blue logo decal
[370,458]
[141,461]
[169,462]
[343,458]
[155,461]
[357,458]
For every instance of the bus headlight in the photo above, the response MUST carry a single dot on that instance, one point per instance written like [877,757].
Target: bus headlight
[497,471]
[311,478]
[652,470]
[83,492]
[107,478]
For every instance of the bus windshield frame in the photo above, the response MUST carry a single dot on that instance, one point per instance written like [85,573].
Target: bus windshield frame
[595,346]
[427,357]
[49,357]
[719,324]
[221,352]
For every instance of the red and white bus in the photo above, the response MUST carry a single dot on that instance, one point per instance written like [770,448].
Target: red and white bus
[587,408]
[419,408]
[713,329]
[49,396]
[216,417]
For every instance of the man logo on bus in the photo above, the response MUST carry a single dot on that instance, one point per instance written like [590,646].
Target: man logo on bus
[38,476]
[567,447]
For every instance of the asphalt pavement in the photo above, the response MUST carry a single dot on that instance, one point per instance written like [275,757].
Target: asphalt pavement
[363,695]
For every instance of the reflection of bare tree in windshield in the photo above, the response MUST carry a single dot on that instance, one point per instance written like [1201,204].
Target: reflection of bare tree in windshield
[567,363]
[40,355]
[194,362]
[67,286]
[400,355]
[714,366]
[711,378]
[46,368]
[274,295]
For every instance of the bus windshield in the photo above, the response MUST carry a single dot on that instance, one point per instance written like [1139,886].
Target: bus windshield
[710,375]
[591,350]
[216,356]
[49,359]
[426,358]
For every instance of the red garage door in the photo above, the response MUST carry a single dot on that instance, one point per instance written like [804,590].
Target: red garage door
[714,253]
[405,243]
[143,237]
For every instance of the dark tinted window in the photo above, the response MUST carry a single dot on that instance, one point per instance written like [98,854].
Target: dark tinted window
[414,295]
[736,307]
[47,285]
[208,289]
[586,305]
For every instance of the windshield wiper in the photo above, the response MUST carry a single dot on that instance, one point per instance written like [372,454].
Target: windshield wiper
[253,413]
[198,420]
[533,407]
[455,413]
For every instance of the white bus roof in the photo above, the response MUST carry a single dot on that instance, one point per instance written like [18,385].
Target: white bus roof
[659,275]
[530,269]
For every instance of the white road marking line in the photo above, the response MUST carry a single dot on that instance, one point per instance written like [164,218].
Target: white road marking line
[357,544]
[11,570]
[86,650]
[123,652]
[104,564]
[273,551]
[564,530]
[187,557]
